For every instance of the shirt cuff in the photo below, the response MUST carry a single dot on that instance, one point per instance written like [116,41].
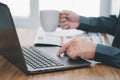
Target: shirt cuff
[84,21]
[102,54]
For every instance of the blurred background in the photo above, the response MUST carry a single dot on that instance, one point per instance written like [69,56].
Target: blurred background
[26,12]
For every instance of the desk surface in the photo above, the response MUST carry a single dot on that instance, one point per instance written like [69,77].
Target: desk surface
[98,72]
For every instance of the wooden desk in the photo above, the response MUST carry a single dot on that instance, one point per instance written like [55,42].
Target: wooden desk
[98,72]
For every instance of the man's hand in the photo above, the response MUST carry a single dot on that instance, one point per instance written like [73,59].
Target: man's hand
[69,19]
[78,48]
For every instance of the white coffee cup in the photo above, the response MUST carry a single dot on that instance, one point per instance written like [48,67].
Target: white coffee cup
[49,20]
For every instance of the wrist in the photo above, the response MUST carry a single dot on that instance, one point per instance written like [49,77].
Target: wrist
[92,55]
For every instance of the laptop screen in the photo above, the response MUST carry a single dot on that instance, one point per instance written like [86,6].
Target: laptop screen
[9,43]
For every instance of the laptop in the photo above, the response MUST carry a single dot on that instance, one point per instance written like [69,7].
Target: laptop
[30,59]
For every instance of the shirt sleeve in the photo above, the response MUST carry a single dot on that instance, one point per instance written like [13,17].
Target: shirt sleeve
[100,24]
[108,55]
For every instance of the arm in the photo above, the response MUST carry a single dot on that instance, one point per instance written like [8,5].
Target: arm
[81,48]
[108,55]
[100,24]
[85,49]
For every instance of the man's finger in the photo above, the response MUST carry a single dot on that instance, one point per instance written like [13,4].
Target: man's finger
[63,20]
[63,48]
[65,25]
[67,12]
[72,55]
[62,15]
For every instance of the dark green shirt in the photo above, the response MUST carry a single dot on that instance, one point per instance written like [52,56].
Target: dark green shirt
[111,25]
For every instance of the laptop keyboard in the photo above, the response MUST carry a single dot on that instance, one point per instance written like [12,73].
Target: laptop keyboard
[37,59]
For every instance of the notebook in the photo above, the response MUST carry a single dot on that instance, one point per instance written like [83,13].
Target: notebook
[30,59]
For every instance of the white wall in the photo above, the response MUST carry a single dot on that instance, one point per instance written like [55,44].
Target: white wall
[82,7]
[115,6]
[26,12]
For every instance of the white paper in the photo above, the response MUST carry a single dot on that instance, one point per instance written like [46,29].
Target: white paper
[60,37]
